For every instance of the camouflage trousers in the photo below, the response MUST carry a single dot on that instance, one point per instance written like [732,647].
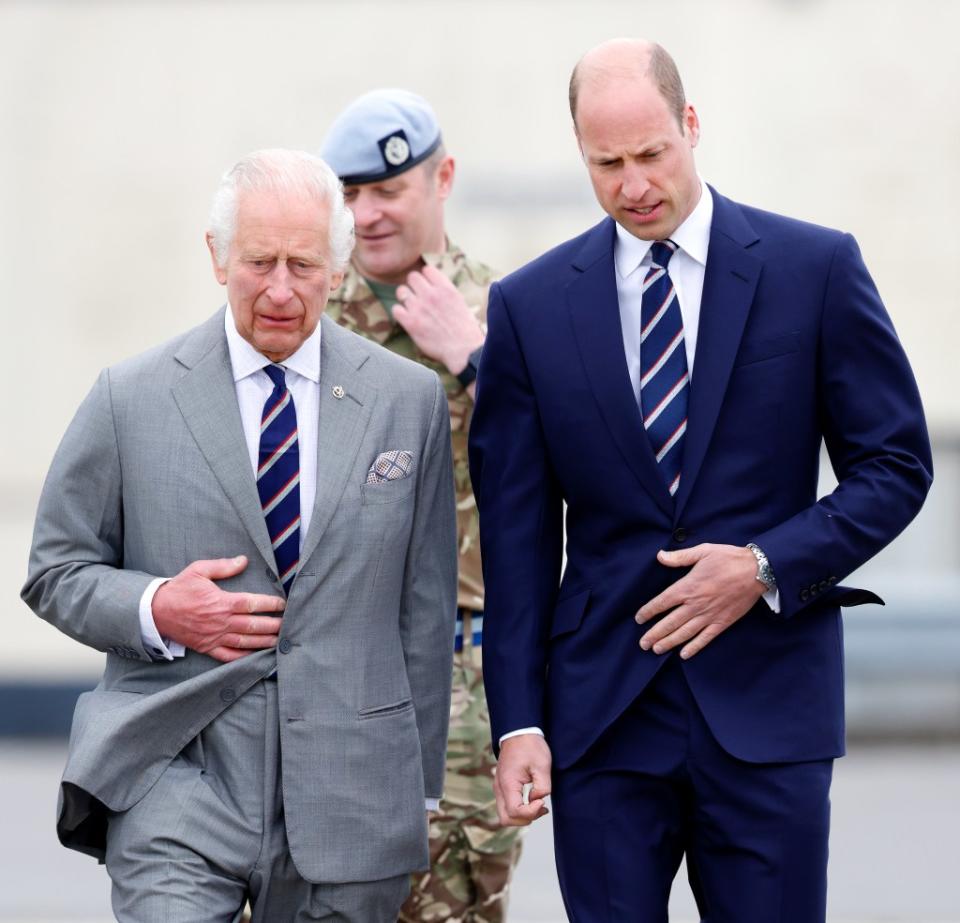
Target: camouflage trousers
[471,857]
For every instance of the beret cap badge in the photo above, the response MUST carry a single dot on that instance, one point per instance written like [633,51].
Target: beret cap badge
[396,150]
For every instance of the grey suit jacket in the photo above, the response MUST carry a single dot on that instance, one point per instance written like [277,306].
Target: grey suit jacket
[153,473]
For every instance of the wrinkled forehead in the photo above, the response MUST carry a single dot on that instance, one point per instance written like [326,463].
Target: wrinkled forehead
[283,214]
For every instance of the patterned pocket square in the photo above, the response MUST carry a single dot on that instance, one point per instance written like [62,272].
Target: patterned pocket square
[390,466]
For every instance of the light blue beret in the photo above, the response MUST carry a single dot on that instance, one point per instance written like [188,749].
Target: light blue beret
[379,135]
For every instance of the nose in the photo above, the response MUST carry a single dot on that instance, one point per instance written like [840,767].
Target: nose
[279,289]
[634,183]
[366,211]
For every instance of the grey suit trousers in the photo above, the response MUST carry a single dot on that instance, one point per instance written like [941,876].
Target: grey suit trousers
[210,835]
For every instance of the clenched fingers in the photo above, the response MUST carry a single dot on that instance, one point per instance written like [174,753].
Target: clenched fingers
[511,810]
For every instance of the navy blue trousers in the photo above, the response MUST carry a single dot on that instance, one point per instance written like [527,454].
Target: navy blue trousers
[657,786]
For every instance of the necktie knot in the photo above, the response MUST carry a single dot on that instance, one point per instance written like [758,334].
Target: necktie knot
[276,374]
[661,251]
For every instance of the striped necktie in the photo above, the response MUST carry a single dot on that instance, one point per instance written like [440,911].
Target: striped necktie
[278,476]
[664,382]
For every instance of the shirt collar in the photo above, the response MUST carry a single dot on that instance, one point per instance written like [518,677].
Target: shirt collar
[245,360]
[693,237]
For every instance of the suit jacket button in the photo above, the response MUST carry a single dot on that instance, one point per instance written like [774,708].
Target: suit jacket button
[832,581]
[228,695]
[680,535]
[824,585]
[804,595]
[285,645]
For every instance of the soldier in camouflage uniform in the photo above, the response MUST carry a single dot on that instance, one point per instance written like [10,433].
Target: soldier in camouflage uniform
[415,293]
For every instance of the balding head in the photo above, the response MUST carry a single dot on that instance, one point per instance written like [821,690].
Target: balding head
[629,59]
[636,134]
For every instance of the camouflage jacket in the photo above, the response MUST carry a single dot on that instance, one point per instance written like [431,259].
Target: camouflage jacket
[353,305]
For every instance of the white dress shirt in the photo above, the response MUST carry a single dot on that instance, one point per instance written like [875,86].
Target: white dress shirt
[688,265]
[253,387]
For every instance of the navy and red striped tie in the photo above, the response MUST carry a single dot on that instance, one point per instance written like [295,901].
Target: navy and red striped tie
[278,476]
[664,382]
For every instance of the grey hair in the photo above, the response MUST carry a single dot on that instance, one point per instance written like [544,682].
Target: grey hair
[279,170]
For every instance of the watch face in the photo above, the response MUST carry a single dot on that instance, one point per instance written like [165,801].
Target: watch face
[764,570]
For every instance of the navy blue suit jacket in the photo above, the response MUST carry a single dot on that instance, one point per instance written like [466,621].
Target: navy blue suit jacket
[794,348]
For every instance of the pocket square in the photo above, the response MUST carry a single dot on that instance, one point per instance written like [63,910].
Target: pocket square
[390,466]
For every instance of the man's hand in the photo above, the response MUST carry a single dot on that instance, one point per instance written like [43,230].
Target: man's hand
[720,589]
[437,318]
[191,609]
[523,759]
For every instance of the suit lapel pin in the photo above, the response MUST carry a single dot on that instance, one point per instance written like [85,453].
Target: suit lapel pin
[338,392]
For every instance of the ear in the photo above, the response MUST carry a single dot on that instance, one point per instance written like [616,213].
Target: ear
[444,176]
[335,279]
[218,271]
[691,125]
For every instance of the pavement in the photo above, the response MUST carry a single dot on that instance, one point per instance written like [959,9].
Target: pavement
[894,853]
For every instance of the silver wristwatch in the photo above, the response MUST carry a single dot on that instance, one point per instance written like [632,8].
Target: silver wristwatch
[764,570]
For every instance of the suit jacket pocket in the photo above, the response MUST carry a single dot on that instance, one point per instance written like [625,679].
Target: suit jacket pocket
[387,491]
[385,711]
[568,613]
[768,348]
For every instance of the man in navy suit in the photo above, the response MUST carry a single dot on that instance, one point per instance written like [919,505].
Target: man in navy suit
[670,376]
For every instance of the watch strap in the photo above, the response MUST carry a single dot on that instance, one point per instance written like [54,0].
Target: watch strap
[468,374]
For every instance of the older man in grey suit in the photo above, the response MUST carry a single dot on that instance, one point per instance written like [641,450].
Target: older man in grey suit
[255,521]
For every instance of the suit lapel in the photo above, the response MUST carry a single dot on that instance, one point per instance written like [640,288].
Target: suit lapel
[729,285]
[343,421]
[595,314]
[207,398]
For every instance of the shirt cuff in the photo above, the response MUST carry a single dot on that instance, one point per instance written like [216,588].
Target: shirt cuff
[772,599]
[432,804]
[520,731]
[152,642]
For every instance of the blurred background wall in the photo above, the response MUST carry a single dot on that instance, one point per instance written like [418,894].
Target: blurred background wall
[117,119]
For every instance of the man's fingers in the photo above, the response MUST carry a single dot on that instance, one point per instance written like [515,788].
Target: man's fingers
[254,624]
[219,568]
[511,810]
[227,654]
[523,814]
[417,282]
[666,601]
[541,786]
[256,602]
[683,557]
[249,642]
[663,640]
[701,640]
[433,276]
[666,626]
